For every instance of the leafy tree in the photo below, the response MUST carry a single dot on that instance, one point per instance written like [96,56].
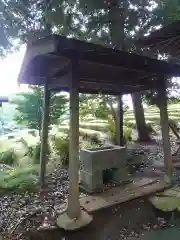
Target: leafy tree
[18,20]
[110,23]
[114,24]
[30,107]
[25,20]
[165,13]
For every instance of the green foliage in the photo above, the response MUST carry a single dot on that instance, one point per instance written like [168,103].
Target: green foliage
[95,126]
[8,157]
[112,130]
[150,129]
[129,124]
[95,139]
[167,11]
[166,204]
[18,21]
[34,153]
[30,108]
[90,136]
[173,100]
[19,179]
[96,105]
[127,132]
[61,147]
[87,144]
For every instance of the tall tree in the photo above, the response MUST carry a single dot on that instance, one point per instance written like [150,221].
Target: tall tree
[165,13]
[30,108]
[115,24]
[24,20]
[19,20]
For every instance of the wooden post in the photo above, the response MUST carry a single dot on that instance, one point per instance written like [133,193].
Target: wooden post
[73,209]
[119,127]
[44,135]
[165,127]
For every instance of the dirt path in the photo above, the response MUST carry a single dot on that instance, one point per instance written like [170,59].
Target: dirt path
[127,221]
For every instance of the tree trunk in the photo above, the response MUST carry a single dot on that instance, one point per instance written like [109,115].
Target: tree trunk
[143,134]
[117,36]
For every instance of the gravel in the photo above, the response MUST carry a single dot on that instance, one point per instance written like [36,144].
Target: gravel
[22,212]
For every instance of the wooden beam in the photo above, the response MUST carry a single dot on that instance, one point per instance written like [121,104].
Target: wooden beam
[73,210]
[104,82]
[165,128]
[87,86]
[115,58]
[44,135]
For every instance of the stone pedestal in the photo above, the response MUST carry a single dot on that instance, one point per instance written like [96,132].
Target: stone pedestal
[71,224]
[98,160]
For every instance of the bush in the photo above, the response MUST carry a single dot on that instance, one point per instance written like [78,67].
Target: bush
[34,153]
[89,135]
[95,139]
[150,129]
[89,145]
[127,132]
[130,124]
[61,147]
[19,179]
[8,157]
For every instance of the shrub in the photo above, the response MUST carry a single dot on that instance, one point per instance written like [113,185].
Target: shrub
[129,124]
[19,179]
[34,152]
[89,145]
[150,129]
[95,139]
[127,132]
[8,157]
[90,135]
[61,147]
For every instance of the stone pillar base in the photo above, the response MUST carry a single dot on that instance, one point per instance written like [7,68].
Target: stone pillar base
[67,223]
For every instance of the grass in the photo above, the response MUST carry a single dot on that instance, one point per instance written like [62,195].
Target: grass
[23,178]
[19,179]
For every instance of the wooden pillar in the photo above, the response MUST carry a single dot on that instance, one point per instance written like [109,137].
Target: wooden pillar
[74,218]
[73,210]
[165,127]
[44,135]
[119,127]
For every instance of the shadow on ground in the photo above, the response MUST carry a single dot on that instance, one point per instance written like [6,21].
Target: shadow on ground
[130,220]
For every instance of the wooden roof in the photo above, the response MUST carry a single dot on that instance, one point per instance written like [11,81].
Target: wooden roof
[166,39]
[100,69]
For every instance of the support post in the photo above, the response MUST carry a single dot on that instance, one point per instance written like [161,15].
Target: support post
[44,135]
[74,218]
[73,210]
[165,128]
[119,127]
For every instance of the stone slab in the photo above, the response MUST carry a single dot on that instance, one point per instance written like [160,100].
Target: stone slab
[117,195]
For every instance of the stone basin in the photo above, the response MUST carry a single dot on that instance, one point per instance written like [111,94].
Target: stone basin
[96,162]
